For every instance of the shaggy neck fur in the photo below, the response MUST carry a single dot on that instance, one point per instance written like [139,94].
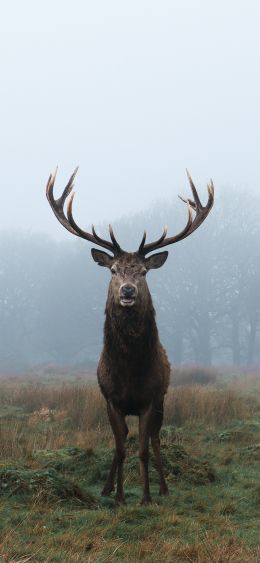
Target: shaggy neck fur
[130,331]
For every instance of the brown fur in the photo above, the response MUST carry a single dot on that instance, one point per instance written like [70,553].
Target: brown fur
[133,371]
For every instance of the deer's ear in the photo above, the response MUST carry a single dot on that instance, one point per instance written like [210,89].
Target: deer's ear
[102,258]
[156,260]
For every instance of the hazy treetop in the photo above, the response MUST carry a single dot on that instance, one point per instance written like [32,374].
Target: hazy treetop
[132,92]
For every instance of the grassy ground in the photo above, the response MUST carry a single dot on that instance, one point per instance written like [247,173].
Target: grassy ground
[56,448]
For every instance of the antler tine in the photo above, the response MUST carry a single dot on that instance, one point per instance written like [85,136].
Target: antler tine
[194,191]
[113,238]
[98,239]
[143,248]
[142,243]
[57,204]
[50,184]
[188,200]
[196,205]
[70,185]
[115,248]
[68,222]
[83,234]
[210,187]
[192,223]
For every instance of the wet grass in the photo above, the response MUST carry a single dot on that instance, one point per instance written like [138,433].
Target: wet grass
[52,471]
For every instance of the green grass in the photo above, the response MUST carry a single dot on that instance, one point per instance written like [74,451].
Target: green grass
[51,509]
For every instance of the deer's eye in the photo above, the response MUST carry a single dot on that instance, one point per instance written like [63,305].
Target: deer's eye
[113,270]
[144,272]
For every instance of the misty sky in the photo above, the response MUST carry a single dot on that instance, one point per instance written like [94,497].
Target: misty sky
[133,93]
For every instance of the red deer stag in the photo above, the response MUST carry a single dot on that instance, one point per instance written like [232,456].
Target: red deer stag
[133,371]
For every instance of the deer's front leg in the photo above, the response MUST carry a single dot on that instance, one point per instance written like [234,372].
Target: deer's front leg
[119,428]
[110,482]
[144,435]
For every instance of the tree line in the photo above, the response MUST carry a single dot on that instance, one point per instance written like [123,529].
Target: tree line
[207,295]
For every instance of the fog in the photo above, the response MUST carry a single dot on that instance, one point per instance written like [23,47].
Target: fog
[207,295]
[133,93]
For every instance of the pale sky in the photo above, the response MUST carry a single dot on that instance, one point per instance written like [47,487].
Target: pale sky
[133,93]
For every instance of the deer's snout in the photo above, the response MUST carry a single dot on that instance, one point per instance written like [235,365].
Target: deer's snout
[128,294]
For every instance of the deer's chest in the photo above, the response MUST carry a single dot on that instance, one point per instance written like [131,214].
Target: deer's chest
[130,392]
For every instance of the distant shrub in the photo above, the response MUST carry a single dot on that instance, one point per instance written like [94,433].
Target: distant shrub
[194,375]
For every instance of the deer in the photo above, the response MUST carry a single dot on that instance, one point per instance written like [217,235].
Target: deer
[133,371]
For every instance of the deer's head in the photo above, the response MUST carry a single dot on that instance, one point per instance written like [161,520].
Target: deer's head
[128,269]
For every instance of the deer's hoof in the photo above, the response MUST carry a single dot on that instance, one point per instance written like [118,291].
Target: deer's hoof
[146,500]
[120,501]
[164,491]
[107,491]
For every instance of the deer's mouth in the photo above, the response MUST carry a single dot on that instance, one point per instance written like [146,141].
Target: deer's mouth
[127,301]
[127,294]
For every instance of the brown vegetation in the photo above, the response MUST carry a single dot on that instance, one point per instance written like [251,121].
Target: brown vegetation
[210,453]
[204,404]
[38,416]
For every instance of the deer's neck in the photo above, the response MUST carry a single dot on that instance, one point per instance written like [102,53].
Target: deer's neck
[130,331]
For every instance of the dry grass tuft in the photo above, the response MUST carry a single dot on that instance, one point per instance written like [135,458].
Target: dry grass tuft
[198,403]
[37,416]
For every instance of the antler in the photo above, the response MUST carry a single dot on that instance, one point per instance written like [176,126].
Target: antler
[69,223]
[192,224]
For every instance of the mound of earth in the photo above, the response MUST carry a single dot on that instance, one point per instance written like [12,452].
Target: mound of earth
[177,462]
[87,466]
[46,484]
[65,459]
[93,467]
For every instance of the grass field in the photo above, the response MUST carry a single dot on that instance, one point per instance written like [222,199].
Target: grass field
[56,448]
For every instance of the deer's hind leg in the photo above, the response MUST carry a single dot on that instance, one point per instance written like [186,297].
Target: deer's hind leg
[120,432]
[155,440]
[145,420]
